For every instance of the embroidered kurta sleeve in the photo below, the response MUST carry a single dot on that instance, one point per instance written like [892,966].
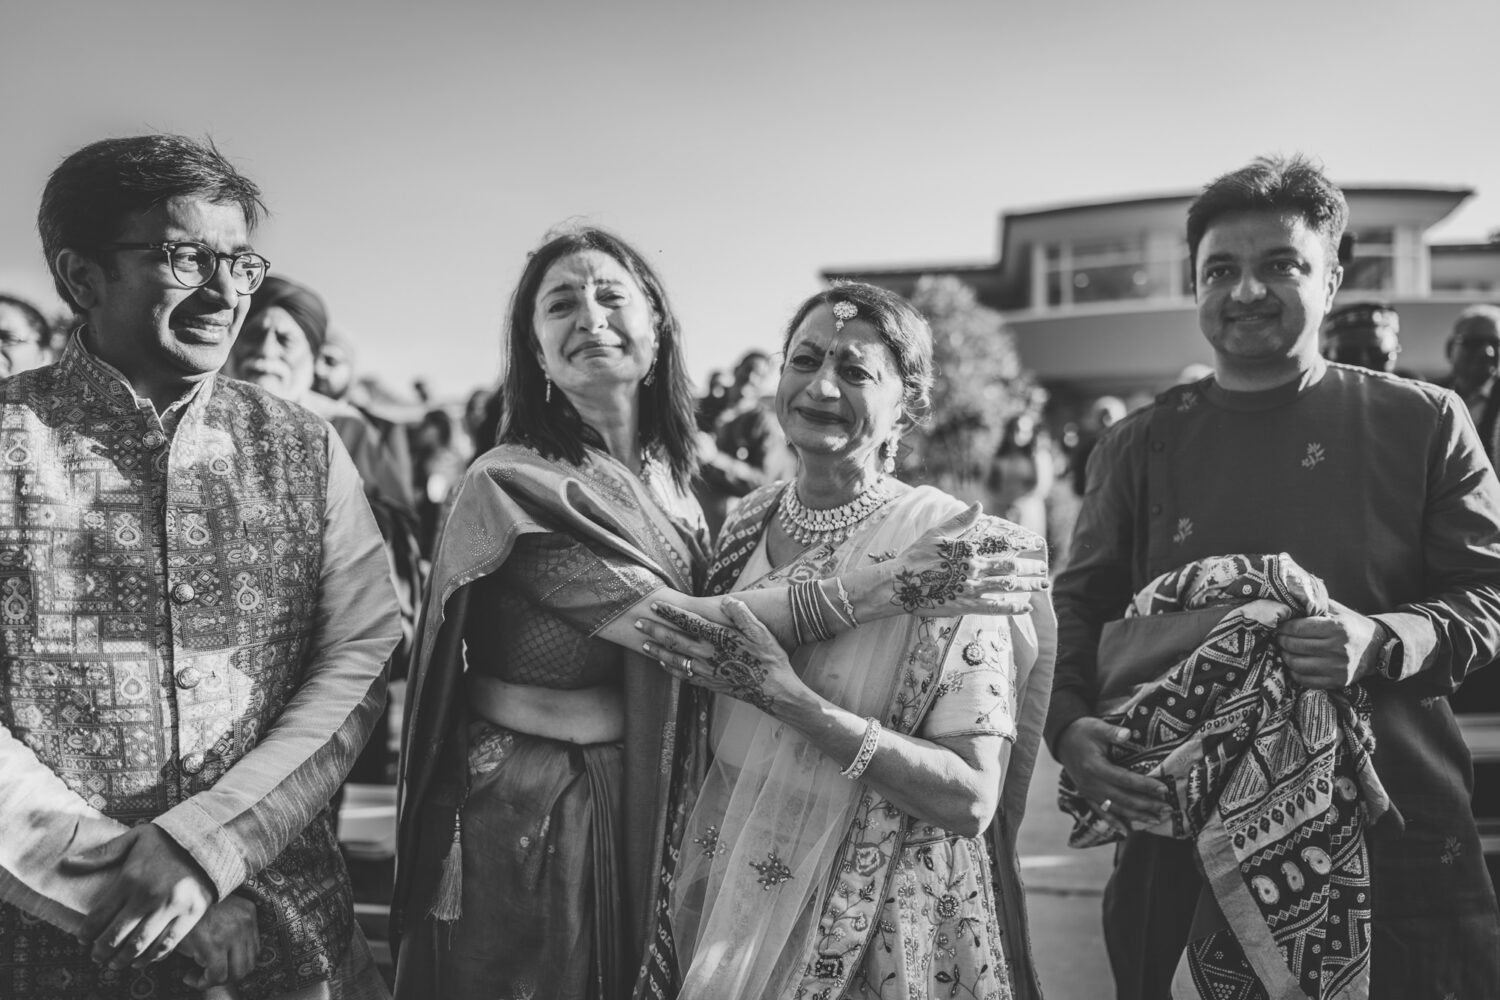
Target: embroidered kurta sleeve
[1457,628]
[1097,582]
[977,693]
[235,828]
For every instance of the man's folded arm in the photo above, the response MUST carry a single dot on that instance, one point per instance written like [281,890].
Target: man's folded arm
[1096,583]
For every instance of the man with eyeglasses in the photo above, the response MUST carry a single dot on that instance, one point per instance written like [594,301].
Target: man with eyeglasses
[195,614]
[25,336]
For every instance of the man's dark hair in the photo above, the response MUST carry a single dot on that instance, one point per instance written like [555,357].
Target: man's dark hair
[90,194]
[1272,184]
[34,318]
[554,428]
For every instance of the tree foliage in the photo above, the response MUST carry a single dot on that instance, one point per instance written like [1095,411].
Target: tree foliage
[978,385]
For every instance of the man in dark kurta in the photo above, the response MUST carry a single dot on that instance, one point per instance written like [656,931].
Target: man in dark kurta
[1376,484]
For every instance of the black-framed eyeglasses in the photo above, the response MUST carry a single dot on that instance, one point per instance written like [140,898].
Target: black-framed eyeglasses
[194,264]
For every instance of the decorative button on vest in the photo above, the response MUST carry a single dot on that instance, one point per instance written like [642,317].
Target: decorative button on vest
[183,592]
[188,677]
[193,762]
[154,439]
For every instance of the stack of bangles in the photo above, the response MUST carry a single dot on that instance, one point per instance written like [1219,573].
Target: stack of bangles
[866,753]
[811,605]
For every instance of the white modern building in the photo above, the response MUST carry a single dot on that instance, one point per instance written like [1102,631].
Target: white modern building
[1098,295]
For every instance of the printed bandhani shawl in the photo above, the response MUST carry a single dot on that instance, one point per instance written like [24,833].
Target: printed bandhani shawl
[1272,781]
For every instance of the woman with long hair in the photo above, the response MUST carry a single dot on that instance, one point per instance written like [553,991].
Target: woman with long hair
[548,761]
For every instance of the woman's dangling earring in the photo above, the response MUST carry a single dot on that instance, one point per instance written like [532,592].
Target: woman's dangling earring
[888,452]
[549,387]
[650,373]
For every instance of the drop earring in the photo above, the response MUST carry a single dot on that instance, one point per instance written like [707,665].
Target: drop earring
[888,453]
[549,387]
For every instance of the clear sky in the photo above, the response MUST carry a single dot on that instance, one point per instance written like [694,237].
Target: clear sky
[412,153]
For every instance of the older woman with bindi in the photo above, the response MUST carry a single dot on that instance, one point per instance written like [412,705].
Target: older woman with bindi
[864,788]
[549,762]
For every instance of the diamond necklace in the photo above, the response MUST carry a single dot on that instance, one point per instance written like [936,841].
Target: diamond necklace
[833,525]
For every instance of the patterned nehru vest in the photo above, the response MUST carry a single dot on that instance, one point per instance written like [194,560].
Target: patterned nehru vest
[157,597]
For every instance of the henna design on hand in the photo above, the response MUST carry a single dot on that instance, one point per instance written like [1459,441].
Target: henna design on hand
[733,664]
[932,588]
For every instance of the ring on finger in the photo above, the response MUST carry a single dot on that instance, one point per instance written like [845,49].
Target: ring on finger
[1104,806]
[687,664]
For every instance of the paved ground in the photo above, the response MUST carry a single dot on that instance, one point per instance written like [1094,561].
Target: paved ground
[1063,891]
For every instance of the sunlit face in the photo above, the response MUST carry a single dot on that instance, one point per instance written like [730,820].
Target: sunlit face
[595,328]
[840,392]
[1475,358]
[21,347]
[274,353]
[1264,283]
[141,318]
[333,370]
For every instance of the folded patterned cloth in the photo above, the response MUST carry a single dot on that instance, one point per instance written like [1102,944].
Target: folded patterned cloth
[1273,782]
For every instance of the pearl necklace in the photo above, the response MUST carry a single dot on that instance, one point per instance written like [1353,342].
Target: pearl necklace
[833,525]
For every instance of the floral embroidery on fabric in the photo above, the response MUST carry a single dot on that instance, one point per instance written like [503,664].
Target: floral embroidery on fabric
[1187,402]
[773,871]
[1314,455]
[1452,849]
[932,938]
[489,745]
[709,842]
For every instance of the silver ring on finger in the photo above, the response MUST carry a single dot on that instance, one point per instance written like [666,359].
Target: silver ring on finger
[1104,806]
[687,664]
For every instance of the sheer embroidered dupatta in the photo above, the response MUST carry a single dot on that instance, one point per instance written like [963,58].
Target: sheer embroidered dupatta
[785,864]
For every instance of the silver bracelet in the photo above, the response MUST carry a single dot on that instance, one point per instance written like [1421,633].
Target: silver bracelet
[866,750]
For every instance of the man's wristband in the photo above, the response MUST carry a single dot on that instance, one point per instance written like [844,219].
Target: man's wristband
[1388,657]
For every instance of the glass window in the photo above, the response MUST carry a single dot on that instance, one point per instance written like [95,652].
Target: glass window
[1373,267]
[1115,270]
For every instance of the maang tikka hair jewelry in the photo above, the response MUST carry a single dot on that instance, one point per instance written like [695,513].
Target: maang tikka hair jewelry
[843,312]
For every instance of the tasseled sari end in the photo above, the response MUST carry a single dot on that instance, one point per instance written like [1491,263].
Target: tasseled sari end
[448,901]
